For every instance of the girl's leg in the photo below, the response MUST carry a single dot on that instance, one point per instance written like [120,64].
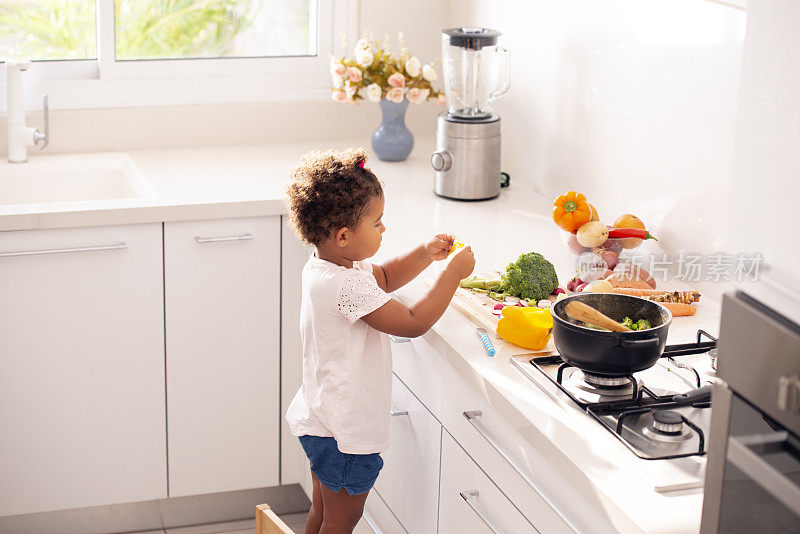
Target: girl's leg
[314,521]
[341,511]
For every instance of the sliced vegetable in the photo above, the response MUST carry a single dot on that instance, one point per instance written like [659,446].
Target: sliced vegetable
[456,245]
[580,287]
[558,291]
[571,210]
[477,282]
[641,324]
[686,296]
[544,303]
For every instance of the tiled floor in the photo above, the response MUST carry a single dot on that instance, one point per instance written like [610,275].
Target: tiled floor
[296,522]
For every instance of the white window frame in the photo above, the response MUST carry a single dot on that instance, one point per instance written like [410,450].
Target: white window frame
[105,82]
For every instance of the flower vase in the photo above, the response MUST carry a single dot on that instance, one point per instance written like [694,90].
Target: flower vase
[392,141]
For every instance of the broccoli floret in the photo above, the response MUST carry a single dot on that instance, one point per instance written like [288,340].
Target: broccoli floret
[531,277]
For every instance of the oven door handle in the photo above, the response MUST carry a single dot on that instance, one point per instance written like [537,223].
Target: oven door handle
[742,455]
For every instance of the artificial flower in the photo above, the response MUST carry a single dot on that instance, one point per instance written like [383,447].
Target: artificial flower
[337,68]
[395,95]
[397,80]
[354,74]
[364,58]
[416,95]
[361,44]
[373,91]
[339,96]
[429,73]
[412,66]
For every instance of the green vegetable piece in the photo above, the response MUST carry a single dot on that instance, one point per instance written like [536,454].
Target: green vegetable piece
[531,277]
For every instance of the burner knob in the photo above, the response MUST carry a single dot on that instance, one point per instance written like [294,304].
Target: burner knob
[667,421]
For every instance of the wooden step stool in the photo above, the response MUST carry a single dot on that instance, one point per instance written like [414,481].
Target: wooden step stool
[268,522]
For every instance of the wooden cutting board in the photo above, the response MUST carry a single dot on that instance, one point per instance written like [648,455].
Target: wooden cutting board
[478,308]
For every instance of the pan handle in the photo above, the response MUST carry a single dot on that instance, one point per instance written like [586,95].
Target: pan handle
[639,343]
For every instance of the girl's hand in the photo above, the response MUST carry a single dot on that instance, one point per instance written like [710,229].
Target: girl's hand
[438,247]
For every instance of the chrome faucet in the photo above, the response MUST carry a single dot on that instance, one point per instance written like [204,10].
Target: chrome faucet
[20,136]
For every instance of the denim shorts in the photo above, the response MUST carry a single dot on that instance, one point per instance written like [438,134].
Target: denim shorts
[356,473]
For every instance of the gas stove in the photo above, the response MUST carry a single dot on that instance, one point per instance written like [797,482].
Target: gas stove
[660,413]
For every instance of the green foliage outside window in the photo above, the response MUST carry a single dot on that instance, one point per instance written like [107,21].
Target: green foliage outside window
[155,29]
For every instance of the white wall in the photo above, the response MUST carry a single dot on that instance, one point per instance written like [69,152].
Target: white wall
[625,100]
[765,192]
[615,94]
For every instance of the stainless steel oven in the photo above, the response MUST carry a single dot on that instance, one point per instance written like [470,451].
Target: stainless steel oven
[753,471]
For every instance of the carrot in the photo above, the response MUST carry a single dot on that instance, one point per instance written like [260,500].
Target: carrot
[637,292]
[678,309]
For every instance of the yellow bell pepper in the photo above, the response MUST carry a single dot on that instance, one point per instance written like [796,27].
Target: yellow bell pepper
[456,245]
[526,327]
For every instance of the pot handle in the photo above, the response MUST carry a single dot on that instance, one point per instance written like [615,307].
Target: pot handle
[639,343]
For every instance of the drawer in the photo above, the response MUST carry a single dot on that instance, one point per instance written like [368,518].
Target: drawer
[470,502]
[420,368]
[409,481]
[377,518]
[522,473]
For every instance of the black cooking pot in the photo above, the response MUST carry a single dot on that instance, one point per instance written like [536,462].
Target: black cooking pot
[607,353]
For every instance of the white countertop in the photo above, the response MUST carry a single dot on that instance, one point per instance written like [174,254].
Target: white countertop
[243,181]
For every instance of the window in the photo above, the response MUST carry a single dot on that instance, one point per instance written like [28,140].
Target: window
[157,52]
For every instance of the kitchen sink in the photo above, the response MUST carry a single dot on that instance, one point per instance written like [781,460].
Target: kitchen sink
[72,178]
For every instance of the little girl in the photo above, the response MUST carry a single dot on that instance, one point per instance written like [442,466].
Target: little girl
[341,412]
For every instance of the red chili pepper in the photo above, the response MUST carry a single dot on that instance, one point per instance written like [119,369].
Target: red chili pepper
[630,232]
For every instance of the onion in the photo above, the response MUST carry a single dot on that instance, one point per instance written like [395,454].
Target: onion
[599,286]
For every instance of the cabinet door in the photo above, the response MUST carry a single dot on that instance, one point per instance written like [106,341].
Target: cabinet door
[409,481]
[469,501]
[82,411]
[222,283]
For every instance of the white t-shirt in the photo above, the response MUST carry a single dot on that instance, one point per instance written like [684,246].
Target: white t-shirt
[347,364]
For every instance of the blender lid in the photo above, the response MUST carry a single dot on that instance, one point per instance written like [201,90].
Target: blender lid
[472,38]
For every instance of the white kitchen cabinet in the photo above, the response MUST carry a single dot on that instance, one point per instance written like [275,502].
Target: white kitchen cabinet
[469,501]
[525,474]
[222,302]
[378,518]
[82,410]
[421,369]
[409,480]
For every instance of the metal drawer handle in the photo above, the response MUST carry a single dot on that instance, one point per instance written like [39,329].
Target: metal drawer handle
[469,497]
[789,393]
[63,250]
[742,455]
[242,237]
[394,412]
[397,339]
[473,417]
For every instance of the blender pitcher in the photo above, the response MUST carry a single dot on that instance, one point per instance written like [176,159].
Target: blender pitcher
[475,71]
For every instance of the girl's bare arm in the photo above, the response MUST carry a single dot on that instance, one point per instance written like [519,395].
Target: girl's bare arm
[397,319]
[398,271]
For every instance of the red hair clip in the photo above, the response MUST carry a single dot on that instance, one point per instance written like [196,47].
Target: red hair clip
[361,163]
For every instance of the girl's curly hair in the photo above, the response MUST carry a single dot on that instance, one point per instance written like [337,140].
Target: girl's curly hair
[329,190]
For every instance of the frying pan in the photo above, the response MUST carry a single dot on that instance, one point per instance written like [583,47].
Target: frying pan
[611,353]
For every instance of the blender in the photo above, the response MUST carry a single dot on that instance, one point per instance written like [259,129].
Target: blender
[467,157]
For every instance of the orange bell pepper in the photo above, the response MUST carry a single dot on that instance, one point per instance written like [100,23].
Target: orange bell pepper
[571,211]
